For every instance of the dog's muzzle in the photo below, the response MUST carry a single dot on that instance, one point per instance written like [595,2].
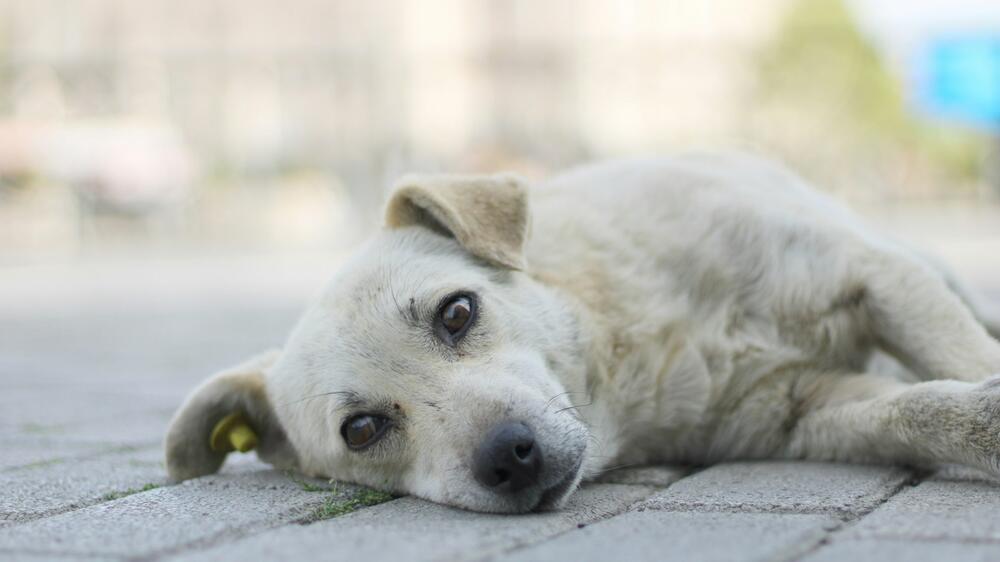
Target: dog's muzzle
[509,462]
[509,459]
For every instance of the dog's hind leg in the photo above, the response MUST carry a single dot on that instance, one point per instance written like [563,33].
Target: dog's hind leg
[875,419]
[917,317]
[988,316]
[993,327]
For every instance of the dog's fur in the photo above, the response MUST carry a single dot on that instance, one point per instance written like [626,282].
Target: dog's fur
[693,310]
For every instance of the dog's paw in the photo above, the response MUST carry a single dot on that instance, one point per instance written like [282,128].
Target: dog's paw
[977,425]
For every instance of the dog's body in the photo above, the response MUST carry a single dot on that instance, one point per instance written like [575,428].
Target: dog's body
[690,310]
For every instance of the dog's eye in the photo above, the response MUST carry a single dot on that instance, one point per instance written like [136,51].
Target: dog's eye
[456,314]
[361,431]
[454,318]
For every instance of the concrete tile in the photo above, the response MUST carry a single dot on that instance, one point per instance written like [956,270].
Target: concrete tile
[779,486]
[937,510]
[912,551]
[33,492]
[133,347]
[684,536]
[172,517]
[42,556]
[21,451]
[414,530]
[135,429]
[39,408]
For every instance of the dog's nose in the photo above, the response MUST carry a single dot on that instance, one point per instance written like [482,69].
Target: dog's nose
[508,460]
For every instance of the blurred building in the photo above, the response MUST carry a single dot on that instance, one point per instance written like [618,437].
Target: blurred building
[244,106]
[263,84]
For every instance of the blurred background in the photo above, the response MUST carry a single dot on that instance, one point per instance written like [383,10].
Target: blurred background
[215,130]
[178,177]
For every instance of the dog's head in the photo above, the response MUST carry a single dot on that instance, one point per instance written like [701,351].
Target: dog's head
[431,365]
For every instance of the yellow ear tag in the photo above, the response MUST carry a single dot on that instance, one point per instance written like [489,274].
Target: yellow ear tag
[232,433]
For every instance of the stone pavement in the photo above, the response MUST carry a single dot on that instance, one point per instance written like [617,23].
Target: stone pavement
[92,364]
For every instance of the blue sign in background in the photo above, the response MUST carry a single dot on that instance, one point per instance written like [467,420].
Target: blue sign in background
[960,79]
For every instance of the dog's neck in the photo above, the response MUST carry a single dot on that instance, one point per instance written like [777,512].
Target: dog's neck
[609,362]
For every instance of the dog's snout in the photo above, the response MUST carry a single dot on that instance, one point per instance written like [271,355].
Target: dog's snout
[508,460]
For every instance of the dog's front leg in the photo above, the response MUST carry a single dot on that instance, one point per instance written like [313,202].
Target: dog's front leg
[869,418]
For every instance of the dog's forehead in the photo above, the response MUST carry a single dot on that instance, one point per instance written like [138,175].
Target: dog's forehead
[380,303]
[395,268]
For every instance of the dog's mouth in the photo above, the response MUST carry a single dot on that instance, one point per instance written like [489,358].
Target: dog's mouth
[555,496]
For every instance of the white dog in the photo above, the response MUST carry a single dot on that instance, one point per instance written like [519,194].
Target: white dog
[494,344]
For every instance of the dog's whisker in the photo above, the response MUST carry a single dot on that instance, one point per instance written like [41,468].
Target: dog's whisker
[550,400]
[322,394]
[619,467]
[577,407]
[561,394]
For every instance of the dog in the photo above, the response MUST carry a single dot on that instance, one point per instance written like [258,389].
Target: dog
[494,344]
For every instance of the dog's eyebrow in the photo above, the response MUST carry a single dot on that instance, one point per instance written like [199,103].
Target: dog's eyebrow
[348,399]
[412,309]
[345,399]
[409,313]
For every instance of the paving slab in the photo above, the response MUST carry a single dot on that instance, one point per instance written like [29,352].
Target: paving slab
[684,536]
[68,406]
[134,429]
[25,451]
[415,530]
[104,340]
[32,492]
[46,557]
[911,551]
[937,510]
[775,486]
[173,517]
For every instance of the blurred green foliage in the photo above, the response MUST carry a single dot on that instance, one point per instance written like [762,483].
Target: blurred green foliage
[823,68]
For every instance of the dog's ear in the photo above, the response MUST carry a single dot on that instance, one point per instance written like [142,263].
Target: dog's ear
[229,411]
[488,215]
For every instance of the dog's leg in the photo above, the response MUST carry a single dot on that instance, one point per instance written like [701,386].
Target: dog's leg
[919,319]
[870,418]
[992,326]
[988,314]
